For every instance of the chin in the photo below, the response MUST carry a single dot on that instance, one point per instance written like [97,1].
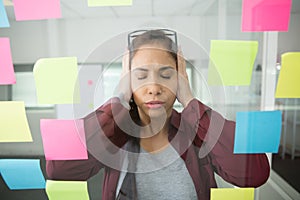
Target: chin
[159,114]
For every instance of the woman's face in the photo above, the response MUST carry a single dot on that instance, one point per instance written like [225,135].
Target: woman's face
[153,81]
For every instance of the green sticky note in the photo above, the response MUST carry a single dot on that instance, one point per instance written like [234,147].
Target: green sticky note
[231,62]
[56,80]
[67,190]
[289,76]
[14,126]
[92,3]
[232,194]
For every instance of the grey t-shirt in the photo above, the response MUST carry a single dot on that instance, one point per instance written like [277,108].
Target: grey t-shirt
[163,176]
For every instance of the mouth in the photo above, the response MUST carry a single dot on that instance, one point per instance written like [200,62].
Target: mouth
[154,104]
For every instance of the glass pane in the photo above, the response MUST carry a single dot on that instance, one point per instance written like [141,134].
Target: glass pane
[286,162]
[24,90]
[111,77]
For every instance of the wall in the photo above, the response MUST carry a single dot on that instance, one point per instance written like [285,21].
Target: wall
[32,40]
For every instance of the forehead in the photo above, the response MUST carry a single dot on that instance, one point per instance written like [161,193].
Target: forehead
[152,55]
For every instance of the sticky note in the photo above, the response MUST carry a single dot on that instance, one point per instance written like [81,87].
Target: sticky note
[21,174]
[231,62]
[63,139]
[257,132]
[289,76]
[232,194]
[266,15]
[93,3]
[36,9]
[67,190]
[56,80]
[7,74]
[14,126]
[3,17]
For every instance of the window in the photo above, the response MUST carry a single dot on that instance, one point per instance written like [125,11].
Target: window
[24,89]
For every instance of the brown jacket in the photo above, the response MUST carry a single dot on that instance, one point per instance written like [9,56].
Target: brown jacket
[202,137]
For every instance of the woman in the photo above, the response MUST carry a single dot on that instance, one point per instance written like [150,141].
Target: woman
[170,156]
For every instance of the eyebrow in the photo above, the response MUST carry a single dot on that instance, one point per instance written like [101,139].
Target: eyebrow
[166,68]
[140,69]
[146,70]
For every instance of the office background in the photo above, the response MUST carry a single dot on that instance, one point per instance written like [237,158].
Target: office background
[84,30]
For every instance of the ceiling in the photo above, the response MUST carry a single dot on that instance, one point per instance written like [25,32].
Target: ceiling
[72,9]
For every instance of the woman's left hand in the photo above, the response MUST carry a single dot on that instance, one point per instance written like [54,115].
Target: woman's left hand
[184,93]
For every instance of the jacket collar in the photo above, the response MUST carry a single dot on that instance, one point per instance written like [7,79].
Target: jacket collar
[175,119]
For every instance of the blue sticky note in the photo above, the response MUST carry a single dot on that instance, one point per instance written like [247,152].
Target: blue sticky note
[20,174]
[257,132]
[3,16]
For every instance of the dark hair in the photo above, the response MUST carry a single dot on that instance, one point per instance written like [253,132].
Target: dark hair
[159,37]
[153,37]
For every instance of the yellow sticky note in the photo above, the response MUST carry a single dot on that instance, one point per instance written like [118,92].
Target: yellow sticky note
[232,194]
[67,190]
[92,3]
[231,62]
[56,80]
[13,122]
[289,76]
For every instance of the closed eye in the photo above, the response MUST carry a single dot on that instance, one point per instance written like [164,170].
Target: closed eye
[140,73]
[167,73]
[141,77]
[165,76]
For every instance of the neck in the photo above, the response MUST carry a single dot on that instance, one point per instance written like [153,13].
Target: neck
[156,142]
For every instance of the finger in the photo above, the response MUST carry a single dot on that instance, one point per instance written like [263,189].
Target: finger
[181,62]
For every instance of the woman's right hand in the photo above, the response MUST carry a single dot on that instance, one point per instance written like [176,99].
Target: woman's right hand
[124,87]
[184,93]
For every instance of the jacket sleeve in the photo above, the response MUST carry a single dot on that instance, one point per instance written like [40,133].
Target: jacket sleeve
[215,137]
[103,137]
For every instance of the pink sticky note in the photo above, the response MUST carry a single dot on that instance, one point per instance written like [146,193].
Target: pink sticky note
[7,73]
[63,139]
[37,9]
[266,15]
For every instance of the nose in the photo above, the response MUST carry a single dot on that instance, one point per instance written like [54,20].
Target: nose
[154,89]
